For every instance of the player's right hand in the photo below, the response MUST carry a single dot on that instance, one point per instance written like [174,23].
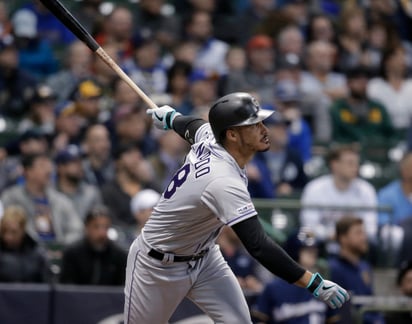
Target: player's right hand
[163,116]
[328,291]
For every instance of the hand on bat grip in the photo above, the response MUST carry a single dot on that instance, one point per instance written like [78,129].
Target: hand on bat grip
[163,116]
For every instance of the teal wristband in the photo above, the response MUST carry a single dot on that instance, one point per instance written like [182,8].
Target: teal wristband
[314,282]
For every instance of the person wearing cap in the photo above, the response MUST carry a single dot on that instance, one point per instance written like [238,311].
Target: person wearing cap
[278,171]
[41,113]
[16,85]
[288,103]
[69,181]
[176,254]
[142,205]
[36,55]
[68,125]
[357,117]
[86,96]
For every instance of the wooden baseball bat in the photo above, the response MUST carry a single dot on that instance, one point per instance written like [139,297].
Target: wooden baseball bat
[61,13]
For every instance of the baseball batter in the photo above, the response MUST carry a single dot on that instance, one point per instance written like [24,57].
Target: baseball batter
[175,255]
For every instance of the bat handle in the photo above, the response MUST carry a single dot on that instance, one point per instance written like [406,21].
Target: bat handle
[106,58]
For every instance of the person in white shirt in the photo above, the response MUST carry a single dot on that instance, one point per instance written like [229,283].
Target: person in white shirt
[338,193]
[393,88]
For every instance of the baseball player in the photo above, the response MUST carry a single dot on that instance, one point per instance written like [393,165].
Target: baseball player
[175,256]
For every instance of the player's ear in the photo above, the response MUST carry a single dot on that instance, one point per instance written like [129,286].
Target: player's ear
[231,134]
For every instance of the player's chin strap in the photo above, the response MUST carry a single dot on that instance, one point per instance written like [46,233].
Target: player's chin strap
[168,258]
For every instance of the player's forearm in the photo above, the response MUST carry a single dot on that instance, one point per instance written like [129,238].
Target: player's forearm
[268,253]
[304,280]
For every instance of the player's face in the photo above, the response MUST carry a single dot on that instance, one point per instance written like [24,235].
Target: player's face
[253,138]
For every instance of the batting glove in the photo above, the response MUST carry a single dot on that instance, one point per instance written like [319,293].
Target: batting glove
[163,116]
[329,292]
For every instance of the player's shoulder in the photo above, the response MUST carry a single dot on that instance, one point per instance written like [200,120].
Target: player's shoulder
[363,185]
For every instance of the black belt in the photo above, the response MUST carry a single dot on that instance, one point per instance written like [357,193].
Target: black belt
[178,258]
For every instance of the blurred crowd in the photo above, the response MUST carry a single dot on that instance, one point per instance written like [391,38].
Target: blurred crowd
[81,167]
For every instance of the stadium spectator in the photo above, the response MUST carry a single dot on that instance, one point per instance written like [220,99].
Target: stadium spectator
[352,38]
[393,88]
[396,194]
[287,102]
[395,226]
[278,171]
[95,259]
[132,172]
[341,188]
[290,40]
[350,268]
[211,52]
[129,125]
[314,110]
[75,67]
[236,62]
[51,217]
[49,27]
[36,55]
[69,181]
[358,118]
[248,20]
[21,258]
[167,158]
[178,83]
[32,141]
[142,205]
[68,126]
[282,303]
[150,17]
[259,72]
[16,86]
[117,31]
[98,165]
[319,81]
[202,92]
[404,283]
[5,23]
[41,112]
[321,27]
[145,67]
[89,14]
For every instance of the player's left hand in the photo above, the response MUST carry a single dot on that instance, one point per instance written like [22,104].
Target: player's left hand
[328,291]
[163,116]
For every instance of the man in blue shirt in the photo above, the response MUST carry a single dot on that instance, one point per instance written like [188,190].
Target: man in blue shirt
[349,267]
[398,194]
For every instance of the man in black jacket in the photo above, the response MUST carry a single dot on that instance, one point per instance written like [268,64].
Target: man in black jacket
[94,260]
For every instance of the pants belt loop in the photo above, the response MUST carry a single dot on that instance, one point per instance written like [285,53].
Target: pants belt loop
[168,258]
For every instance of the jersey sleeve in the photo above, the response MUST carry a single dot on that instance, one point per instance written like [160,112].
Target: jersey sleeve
[229,200]
[204,133]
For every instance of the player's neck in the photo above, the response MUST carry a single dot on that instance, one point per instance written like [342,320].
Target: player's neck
[240,158]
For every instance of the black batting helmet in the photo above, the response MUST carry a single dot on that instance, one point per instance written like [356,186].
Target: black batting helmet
[235,109]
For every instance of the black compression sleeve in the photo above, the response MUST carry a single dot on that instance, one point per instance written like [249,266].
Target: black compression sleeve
[186,127]
[266,251]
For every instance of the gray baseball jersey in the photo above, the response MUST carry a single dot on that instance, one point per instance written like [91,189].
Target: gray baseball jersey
[208,191]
